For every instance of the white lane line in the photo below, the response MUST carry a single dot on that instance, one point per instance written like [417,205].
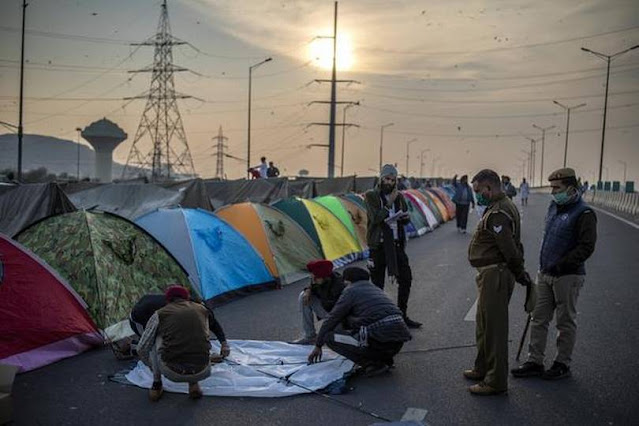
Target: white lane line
[470,316]
[414,415]
[627,222]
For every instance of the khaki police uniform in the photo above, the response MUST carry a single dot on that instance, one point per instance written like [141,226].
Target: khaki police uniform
[497,253]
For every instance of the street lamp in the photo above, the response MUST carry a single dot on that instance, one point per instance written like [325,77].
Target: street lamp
[344,136]
[543,143]
[407,148]
[77,129]
[434,161]
[421,162]
[381,143]
[608,59]
[248,148]
[531,163]
[568,109]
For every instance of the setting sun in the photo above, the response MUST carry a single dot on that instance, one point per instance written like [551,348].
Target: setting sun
[321,52]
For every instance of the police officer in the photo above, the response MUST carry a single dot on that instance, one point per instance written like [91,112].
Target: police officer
[569,239]
[387,214]
[497,253]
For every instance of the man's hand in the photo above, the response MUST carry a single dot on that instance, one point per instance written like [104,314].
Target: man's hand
[225,349]
[306,298]
[315,355]
[524,279]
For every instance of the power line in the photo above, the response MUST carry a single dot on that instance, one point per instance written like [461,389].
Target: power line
[499,49]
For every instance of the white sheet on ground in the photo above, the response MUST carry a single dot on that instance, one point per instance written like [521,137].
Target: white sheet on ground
[276,358]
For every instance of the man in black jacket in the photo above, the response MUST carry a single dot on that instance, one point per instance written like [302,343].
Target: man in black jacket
[569,240]
[319,298]
[364,326]
[387,215]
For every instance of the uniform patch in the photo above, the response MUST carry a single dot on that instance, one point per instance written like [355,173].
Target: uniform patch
[497,229]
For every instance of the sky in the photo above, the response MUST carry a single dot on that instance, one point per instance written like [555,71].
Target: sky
[463,80]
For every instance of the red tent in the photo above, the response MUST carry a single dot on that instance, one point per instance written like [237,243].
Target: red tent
[42,320]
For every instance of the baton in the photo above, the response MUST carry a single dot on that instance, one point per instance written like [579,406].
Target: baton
[523,337]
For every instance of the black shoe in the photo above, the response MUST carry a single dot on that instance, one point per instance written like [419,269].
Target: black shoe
[558,371]
[376,369]
[412,324]
[528,369]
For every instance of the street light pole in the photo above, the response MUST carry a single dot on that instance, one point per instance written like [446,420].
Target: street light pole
[20,127]
[608,59]
[531,163]
[567,109]
[381,143]
[421,162]
[543,144]
[77,129]
[344,136]
[625,167]
[407,148]
[248,145]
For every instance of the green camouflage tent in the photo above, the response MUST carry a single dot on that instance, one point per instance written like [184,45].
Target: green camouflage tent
[108,260]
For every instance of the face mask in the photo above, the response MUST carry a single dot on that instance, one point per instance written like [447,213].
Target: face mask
[562,198]
[481,200]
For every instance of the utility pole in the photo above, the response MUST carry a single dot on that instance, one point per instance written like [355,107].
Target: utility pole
[625,168]
[407,149]
[381,143]
[20,108]
[161,118]
[543,143]
[567,109]
[608,59]
[421,162]
[344,135]
[533,155]
[333,102]
[220,145]
[77,129]
[248,138]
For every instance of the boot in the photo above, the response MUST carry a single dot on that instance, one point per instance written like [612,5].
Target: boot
[410,323]
[194,391]
[473,374]
[528,369]
[156,391]
[482,389]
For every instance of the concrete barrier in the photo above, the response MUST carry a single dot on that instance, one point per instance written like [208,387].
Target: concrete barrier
[623,202]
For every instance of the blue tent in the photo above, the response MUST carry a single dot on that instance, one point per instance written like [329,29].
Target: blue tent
[221,263]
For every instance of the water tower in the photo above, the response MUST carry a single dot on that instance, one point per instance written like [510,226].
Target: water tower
[104,136]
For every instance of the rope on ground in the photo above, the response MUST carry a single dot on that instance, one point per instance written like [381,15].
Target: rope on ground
[328,397]
[441,348]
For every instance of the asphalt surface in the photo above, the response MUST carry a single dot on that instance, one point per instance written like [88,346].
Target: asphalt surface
[602,390]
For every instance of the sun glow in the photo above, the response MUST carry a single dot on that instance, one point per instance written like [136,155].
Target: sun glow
[321,52]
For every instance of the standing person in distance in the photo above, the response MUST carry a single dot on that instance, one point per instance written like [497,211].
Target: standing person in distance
[463,199]
[272,171]
[569,240]
[387,214]
[524,191]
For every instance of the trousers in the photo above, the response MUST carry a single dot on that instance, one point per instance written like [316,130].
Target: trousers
[405,276]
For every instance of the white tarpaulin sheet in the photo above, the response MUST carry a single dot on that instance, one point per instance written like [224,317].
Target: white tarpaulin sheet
[244,373]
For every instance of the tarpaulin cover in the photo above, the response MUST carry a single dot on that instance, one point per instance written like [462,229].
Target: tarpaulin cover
[22,205]
[109,261]
[284,245]
[221,263]
[363,184]
[301,188]
[250,368]
[42,320]
[194,195]
[237,191]
[126,200]
[335,186]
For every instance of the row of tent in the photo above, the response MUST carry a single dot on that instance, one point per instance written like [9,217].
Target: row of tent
[69,280]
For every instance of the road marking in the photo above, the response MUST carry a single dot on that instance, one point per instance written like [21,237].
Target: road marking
[627,222]
[470,316]
[414,415]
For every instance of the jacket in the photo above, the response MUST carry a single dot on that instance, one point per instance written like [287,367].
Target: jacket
[361,304]
[377,212]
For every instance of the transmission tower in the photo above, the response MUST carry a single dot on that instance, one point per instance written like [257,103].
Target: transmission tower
[169,154]
[219,165]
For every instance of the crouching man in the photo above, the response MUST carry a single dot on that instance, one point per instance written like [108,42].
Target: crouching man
[373,330]
[175,343]
[319,298]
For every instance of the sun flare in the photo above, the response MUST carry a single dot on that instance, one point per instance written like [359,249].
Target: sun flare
[321,53]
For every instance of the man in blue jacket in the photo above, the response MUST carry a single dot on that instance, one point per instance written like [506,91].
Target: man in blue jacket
[463,199]
[569,240]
